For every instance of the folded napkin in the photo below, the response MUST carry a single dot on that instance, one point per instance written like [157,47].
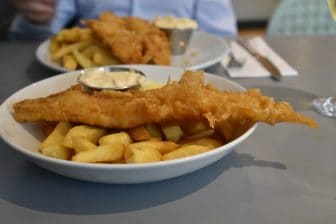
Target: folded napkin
[251,67]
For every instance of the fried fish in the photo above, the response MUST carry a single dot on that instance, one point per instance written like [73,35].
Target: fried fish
[186,100]
[132,40]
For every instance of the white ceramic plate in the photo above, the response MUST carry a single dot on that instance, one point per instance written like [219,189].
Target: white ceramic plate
[203,51]
[25,138]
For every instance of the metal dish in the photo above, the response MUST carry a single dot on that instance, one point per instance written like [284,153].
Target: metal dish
[89,88]
[179,39]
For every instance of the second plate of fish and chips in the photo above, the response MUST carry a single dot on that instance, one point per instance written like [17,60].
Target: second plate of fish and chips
[112,40]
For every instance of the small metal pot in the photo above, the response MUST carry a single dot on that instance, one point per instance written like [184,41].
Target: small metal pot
[179,39]
[89,88]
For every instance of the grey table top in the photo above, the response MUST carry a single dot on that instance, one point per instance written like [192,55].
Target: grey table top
[282,174]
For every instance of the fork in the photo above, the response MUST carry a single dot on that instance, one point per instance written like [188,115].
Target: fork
[235,62]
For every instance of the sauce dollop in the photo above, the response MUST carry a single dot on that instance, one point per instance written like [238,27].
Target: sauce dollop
[118,80]
[170,22]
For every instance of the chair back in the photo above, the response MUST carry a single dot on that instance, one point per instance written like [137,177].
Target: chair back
[302,17]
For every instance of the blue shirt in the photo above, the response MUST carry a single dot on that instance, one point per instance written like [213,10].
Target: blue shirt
[213,16]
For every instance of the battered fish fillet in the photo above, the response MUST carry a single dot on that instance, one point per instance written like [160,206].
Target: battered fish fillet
[132,40]
[186,100]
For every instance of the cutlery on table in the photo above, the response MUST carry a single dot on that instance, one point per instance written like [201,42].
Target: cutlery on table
[264,61]
[234,62]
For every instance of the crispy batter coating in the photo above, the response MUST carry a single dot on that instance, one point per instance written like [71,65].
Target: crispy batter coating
[132,40]
[177,102]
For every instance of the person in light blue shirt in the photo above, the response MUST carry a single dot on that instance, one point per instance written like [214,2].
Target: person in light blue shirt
[39,19]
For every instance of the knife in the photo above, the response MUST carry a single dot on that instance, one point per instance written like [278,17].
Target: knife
[275,72]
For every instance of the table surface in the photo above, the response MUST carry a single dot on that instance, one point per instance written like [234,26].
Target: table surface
[282,174]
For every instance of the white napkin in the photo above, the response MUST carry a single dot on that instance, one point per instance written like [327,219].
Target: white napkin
[251,67]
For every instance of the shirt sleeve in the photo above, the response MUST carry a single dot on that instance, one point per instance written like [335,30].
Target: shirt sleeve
[22,29]
[216,16]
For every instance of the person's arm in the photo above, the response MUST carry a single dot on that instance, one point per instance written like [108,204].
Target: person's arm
[24,27]
[216,16]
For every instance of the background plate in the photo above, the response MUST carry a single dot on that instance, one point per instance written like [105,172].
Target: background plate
[203,51]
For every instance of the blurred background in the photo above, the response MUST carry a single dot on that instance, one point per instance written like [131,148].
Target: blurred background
[6,15]
[255,17]
[252,15]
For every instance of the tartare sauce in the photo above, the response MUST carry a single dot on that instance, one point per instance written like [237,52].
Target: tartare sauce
[111,79]
[170,22]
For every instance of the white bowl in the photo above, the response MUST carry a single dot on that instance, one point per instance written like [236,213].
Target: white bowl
[25,138]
